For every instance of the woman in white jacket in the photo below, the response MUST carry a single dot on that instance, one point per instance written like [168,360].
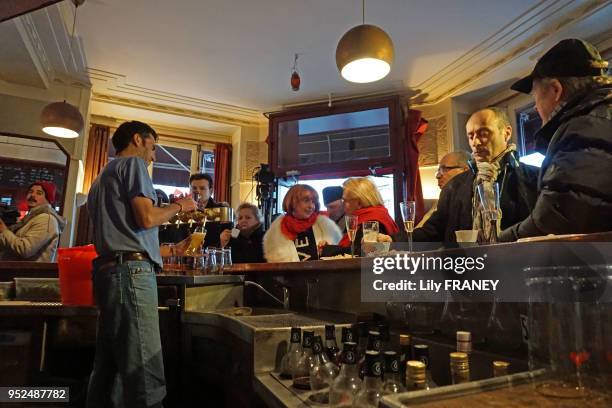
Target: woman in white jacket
[297,235]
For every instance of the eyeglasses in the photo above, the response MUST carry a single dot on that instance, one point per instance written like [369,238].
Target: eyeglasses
[444,169]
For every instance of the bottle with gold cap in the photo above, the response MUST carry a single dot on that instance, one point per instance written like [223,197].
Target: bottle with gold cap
[459,367]
[500,368]
[416,378]
[405,352]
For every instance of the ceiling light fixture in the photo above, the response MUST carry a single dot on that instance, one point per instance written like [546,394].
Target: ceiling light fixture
[364,53]
[61,119]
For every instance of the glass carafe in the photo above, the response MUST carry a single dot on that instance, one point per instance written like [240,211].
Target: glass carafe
[371,390]
[323,371]
[291,359]
[344,388]
[301,374]
[393,383]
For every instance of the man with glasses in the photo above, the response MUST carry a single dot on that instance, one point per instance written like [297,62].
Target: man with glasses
[451,165]
[121,205]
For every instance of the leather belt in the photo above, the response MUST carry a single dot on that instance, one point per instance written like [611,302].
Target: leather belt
[119,258]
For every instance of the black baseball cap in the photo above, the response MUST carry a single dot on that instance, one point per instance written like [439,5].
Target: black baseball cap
[568,58]
[331,194]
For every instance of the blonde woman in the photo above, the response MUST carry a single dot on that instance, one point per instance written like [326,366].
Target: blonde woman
[362,199]
[247,246]
[297,235]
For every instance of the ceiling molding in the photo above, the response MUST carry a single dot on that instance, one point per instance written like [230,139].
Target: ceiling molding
[516,38]
[113,88]
[29,34]
[180,134]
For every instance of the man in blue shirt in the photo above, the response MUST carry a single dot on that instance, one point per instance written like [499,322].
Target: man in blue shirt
[121,204]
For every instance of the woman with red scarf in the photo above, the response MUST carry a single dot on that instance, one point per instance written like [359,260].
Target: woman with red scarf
[362,198]
[297,235]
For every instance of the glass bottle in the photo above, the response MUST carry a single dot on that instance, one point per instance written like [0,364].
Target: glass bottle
[405,355]
[301,374]
[415,376]
[323,371]
[373,344]
[371,391]
[361,331]
[385,336]
[420,352]
[347,384]
[331,346]
[292,357]
[459,367]
[393,383]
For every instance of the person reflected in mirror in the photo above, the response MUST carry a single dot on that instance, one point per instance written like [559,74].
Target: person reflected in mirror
[35,237]
[246,240]
[573,96]
[299,233]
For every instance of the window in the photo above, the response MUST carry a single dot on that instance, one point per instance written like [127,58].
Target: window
[175,162]
[529,123]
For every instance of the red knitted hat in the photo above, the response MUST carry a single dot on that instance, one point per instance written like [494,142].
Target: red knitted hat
[49,189]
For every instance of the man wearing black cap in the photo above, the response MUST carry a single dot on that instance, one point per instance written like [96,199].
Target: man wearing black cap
[573,96]
[332,198]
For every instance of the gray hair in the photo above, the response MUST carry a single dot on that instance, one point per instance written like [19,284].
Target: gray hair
[573,86]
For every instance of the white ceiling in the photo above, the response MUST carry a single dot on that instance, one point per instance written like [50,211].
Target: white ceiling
[240,52]
[207,60]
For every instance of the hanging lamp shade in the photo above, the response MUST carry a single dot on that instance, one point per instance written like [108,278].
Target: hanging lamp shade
[364,54]
[61,119]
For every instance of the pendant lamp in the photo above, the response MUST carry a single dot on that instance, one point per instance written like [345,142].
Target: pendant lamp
[61,119]
[365,53]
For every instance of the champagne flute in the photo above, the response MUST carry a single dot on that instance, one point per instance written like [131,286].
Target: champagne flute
[408,209]
[352,223]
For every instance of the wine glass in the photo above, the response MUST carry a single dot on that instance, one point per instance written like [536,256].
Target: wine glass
[489,200]
[408,209]
[352,223]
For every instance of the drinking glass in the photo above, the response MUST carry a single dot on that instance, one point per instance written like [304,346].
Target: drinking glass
[196,241]
[352,224]
[370,231]
[168,259]
[226,254]
[408,209]
[214,260]
[489,201]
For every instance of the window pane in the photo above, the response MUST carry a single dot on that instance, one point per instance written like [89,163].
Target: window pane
[336,138]
[171,169]
[207,164]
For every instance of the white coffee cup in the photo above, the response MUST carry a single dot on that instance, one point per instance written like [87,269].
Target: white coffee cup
[466,236]
[235,232]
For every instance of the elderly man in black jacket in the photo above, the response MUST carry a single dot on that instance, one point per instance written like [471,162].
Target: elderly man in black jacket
[573,96]
[493,161]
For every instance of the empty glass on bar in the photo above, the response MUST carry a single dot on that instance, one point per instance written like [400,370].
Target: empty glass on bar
[408,209]
[352,224]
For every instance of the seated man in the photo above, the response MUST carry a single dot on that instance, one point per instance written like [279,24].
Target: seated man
[332,199]
[494,160]
[573,96]
[451,165]
[36,236]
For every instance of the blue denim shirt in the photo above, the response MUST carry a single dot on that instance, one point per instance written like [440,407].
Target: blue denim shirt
[110,209]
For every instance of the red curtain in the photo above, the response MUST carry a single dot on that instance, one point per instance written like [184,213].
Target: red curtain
[223,162]
[415,128]
[96,159]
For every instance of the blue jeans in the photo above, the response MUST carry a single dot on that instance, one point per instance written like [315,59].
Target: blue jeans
[128,368]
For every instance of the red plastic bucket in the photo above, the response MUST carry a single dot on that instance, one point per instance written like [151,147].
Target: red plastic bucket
[75,266]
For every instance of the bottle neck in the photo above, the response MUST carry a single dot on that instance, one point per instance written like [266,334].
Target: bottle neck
[349,370]
[371,382]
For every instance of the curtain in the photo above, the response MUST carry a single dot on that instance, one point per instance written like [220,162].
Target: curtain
[96,159]
[223,162]
[415,127]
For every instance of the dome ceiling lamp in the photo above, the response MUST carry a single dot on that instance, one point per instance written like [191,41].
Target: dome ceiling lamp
[364,53]
[61,119]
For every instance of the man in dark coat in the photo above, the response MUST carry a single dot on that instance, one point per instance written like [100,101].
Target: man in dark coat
[494,161]
[573,96]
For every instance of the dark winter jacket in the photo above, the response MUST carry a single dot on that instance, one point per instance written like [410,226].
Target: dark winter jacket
[248,250]
[517,183]
[575,181]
